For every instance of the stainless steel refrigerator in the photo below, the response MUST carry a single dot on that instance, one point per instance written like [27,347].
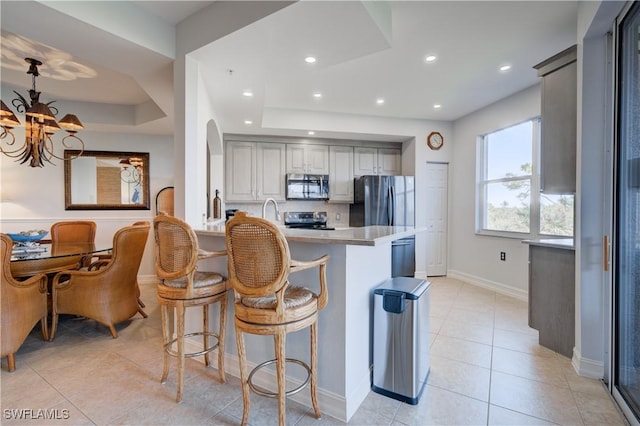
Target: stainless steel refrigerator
[388,201]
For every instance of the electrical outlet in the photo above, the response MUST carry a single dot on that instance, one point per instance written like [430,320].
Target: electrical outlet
[503,256]
[338,217]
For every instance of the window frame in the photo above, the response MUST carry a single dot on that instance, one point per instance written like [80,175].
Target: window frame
[534,197]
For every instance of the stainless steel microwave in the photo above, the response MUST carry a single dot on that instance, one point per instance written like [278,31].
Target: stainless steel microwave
[307,187]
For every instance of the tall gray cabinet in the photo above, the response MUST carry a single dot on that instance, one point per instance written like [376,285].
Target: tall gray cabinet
[559,99]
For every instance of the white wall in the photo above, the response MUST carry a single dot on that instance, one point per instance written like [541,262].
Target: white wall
[33,198]
[474,257]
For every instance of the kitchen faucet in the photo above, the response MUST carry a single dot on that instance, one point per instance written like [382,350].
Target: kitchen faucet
[264,208]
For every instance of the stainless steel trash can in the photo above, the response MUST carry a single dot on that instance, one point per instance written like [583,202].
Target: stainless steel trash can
[401,338]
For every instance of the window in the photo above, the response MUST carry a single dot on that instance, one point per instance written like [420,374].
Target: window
[509,200]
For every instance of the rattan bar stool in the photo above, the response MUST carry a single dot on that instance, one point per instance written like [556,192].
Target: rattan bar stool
[266,303]
[181,286]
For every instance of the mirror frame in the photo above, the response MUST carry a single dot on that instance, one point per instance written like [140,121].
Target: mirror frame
[68,157]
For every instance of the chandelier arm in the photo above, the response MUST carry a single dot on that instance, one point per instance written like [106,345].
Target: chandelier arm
[3,149]
[20,104]
[131,176]
[47,150]
[48,145]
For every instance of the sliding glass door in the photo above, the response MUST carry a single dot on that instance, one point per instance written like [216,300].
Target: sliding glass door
[626,318]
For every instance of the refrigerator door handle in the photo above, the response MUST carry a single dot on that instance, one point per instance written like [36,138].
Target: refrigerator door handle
[391,206]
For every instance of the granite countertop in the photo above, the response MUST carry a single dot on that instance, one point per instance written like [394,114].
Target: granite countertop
[563,243]
[362,236]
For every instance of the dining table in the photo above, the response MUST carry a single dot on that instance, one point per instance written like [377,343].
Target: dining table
[32,259]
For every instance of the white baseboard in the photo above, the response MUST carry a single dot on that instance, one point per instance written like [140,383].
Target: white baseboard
[330,403]
[587,367]
[357,397]
[489,285]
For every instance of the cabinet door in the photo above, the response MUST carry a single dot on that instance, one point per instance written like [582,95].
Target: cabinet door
[308,159]
[389,162]
[271,171]
[365,161]
[317,158]
[296,159]
[341,173]
[240,171]
[558,148]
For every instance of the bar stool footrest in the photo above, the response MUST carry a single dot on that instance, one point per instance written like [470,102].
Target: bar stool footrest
[268,393]
[171,352]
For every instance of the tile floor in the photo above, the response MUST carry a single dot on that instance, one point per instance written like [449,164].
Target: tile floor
[486,368]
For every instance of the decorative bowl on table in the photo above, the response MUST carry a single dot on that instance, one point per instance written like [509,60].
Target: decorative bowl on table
[28,236]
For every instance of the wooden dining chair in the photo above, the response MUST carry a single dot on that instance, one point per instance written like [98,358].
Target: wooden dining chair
[107,295]
[267,304]
[75,231]
[22,305]
[181,285]
[103,259]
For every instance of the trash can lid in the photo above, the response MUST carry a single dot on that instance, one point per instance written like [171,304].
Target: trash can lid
[412,287]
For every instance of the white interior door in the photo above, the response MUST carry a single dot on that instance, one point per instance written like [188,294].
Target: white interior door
[437,189]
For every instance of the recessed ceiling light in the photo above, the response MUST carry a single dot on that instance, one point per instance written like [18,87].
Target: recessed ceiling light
[430,58]
[437,106]
[317,95]
[311,132]
[248,122]
[379,101]
[310,59]
[505,68]
[247,93]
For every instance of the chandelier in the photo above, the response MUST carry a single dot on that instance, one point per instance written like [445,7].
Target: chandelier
[131,172]
[40,125]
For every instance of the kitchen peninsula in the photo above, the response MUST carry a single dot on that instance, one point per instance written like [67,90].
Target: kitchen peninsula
[360,260]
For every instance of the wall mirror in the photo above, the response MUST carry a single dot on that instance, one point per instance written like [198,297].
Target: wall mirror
[105,180]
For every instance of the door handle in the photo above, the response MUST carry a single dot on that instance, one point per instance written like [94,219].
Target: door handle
[605,253]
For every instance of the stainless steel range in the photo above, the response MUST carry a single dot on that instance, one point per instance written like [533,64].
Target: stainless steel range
[307,220]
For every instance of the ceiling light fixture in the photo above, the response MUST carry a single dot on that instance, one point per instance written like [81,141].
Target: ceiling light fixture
[317,95]
[310,59]
[248,122]
[40,125]
[505,68]
[430,58]
[311,133]
[437,106]
[247,93]
[380,101]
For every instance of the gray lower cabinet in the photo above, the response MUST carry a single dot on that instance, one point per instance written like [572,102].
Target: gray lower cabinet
[552,297]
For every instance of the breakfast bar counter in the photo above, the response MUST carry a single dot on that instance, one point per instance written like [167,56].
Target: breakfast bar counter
[360,260]
[360,236]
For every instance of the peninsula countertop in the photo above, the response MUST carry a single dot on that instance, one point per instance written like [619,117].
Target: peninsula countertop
[361,236]
[562,243]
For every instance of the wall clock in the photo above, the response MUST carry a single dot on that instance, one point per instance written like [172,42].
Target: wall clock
[435,140]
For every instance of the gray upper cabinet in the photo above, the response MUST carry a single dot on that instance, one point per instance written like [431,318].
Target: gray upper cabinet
[254,171]
[341,174]
[559,99]
[308,159]
[377,161]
